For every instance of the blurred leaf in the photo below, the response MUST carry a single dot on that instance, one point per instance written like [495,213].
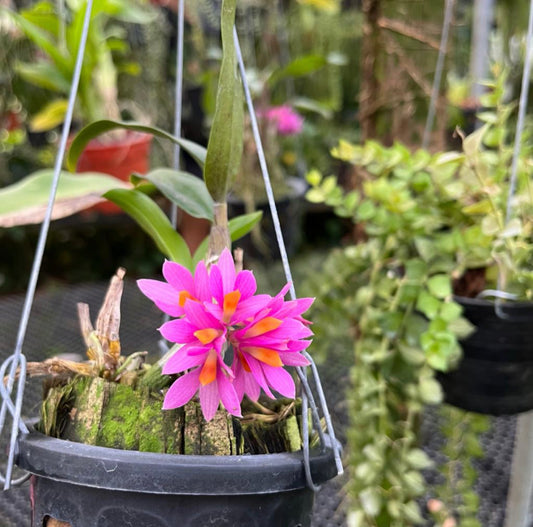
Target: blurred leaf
[52,115]
[371,501]
[440,286]
[430,391]
[154,222]
[25,202]
[44,75]
[298,67]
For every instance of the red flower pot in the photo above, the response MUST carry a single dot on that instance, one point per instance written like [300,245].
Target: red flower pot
[120,158]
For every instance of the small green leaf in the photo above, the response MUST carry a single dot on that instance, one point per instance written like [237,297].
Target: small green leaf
[428,304]
[98,128]
[450,311]
[440,286]
[371,501]
[52,115]
[472,143]
[185,190]
[430,391]
[418,459]
[154,222]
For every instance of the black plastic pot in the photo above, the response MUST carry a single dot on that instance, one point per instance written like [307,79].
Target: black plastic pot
[495,375]
[290,212]
[89,486]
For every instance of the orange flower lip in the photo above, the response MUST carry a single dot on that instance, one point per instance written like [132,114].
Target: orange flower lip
[184,296]
[265,355]
[207,335]
[263,326]
[209,369]
[230,305]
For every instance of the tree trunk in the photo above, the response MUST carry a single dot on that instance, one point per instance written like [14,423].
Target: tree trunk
[370,81]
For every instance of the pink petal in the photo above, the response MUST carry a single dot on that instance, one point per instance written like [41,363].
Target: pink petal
[299,345]
[199,317]
[257,372]
[216,285]
[181,361]
[209,398]
[162,294]
[250,307]
[182,390]
[180,331]
[228,396]
[178,276]
[293,359]
[201,283]
[246,284]
[227,270]
[280,379]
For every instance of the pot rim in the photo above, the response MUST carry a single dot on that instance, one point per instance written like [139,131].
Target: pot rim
[153,473]
[483,302]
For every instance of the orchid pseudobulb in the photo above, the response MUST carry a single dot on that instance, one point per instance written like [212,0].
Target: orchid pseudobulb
[218,316]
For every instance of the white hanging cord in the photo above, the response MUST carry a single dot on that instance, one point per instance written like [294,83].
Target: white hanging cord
[17,360]
[438,72]
[178,98]
[522,108]
[307,393]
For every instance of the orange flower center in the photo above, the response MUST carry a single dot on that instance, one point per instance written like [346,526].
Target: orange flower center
[209,369]
[185,295]
[207,335]
[230,305]
[265,355]
[263,326]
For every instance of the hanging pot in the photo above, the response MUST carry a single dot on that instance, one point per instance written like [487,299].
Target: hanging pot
[120,157]
[90,486]
[495,375]
[290,212]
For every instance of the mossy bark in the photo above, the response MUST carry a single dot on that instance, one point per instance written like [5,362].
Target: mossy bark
[95,411]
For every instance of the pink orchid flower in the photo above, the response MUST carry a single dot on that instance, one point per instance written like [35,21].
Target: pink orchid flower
[288,121]
[217,309]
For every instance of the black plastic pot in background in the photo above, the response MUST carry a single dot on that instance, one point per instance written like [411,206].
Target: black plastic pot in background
[290,212]
[89,486]
[495,375]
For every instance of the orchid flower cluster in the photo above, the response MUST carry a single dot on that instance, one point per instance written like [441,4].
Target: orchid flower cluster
[232,341]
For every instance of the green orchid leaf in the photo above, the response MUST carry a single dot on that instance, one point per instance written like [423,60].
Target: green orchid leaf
[44,75]
[298,67]
[52,115]
[154,222]
[25,202]
[93,130]
[185,190]
[238,227]
[224,149]
[41,39]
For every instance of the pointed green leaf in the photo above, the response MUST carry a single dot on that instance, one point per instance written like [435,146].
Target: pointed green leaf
[185,190]
[224,147]
[472,143]
[154,222]
[97,128]
[25,202]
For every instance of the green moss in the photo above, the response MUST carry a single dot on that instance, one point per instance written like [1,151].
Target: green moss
[120,419]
